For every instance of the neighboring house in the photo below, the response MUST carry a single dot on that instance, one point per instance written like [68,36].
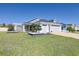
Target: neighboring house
[46,25]
[77,28]
[70,25]
[3,27]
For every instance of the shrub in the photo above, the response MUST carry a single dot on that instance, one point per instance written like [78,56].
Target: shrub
[70,29]
[10,27]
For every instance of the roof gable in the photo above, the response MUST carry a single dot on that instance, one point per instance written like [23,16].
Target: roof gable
[41,20]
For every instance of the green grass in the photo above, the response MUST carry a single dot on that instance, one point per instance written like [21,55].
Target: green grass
[16,44]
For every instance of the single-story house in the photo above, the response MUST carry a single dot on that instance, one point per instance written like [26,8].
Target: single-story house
[46,25]
[77,27]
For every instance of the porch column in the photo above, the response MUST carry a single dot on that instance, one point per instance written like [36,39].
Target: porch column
[24,28]
[15,27]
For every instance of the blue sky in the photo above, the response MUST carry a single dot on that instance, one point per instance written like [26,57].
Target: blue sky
[18,13]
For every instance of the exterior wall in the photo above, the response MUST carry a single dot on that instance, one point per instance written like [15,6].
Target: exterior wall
[49,28]
[55,28]
[44,29]
[3,29]
[24,28]
[76,27]
[18,27]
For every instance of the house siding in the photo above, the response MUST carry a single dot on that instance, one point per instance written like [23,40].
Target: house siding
[55,29]
[47,27]
[44,29]
[19,27]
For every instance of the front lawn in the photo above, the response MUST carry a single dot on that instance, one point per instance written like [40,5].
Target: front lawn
[41,45]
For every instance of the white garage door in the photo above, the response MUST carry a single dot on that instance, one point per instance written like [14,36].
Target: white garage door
[55,29]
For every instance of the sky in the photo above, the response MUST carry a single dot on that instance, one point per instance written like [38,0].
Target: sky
[21,12]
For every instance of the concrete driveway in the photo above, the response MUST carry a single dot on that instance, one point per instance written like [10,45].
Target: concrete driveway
[67,34]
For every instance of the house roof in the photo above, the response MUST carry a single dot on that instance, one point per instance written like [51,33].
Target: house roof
[37,19]
[41,20]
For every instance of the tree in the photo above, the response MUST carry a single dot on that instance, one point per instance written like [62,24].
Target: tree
[33,27]
[51,20]
[70,29]
[4,25]
[10,27]
[37,27]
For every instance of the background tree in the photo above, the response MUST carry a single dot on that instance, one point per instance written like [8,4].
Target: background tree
[70,29]
[10,27]
[3,25]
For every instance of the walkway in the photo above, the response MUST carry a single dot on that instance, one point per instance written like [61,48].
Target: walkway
[73,35]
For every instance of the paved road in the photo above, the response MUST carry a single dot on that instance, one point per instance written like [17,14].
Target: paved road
[73,35]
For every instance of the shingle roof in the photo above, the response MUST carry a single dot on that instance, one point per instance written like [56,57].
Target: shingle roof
[41,20]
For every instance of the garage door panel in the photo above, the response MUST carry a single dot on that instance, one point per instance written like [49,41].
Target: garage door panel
[55,29]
